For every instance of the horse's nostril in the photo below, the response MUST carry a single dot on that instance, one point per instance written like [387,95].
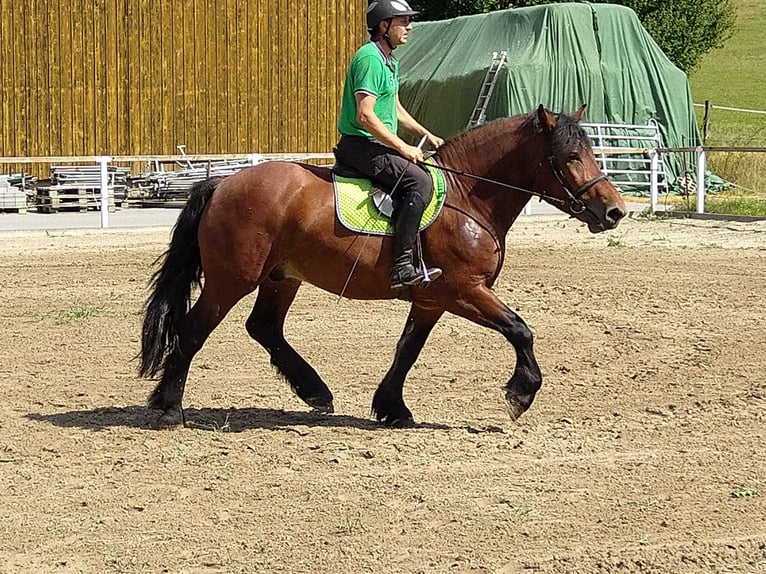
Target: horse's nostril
[615,214]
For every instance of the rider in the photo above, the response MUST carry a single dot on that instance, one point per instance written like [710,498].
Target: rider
[369,116]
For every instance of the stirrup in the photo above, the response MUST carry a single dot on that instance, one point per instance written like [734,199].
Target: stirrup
[430,275]
[409,276]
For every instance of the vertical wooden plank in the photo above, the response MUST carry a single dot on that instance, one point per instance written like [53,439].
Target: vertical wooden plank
[78,77]
[306,55]
[251,45]
[335,22]
[98,119]
[243,84]
[162,78]
[134,92]
[27,59]
[312,81]
[189,70]
[21,115]
[110,71]
[326,77]
[298,63]
[5,96]
[288,107]
[213,87]
[67,75]
[264,77]
[35,51]
[280,47]
[222,80]
[9,58]
[54,75]
[122,113]
[148,45]
[177,72]
[232,81]
[30,17]
[93,61]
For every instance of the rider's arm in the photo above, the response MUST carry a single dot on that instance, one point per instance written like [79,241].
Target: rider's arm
[365,115]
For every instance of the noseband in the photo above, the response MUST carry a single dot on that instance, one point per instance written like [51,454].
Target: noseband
[576,206]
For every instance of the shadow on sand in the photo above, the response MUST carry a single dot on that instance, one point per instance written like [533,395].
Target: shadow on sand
[227,420]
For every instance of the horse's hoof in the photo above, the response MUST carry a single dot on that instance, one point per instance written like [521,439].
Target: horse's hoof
[400,423]
[171,418]
[321,405]
[515,408]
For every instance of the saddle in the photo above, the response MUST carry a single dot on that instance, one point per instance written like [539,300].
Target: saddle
[365,207]
[381,198]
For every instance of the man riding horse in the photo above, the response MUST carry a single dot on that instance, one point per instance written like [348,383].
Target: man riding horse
[369,118]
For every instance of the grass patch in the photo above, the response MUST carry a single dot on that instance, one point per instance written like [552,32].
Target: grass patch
[736,205]
[731,202]
[733,76]
[76,313]
[745,169]
[743,492]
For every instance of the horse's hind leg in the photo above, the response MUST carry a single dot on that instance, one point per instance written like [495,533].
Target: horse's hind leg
[266,325]
[193,331]
[388,402]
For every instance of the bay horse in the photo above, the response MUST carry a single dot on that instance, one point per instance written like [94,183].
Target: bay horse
[273,226]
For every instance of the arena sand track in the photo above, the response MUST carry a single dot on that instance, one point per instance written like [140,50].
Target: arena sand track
[644,451]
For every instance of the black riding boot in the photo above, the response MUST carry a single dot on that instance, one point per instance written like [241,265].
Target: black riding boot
[403,272]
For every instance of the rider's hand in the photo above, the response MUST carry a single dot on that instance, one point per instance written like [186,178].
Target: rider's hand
[435,141]
[412,153]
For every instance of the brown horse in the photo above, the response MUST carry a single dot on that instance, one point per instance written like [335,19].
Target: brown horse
[273,226]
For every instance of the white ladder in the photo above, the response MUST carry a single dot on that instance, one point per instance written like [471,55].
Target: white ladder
[480,110]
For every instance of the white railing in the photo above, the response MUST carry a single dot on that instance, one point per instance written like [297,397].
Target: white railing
[655,171]
[104,161]
[627,168]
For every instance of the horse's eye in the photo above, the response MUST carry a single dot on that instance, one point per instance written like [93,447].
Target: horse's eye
[574,156]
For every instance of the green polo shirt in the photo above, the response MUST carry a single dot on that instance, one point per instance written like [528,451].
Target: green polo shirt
[368,72]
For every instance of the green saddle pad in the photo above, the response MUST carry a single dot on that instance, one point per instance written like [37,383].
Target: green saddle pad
[357,212]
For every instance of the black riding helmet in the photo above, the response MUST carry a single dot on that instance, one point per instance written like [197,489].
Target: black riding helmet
[379,10]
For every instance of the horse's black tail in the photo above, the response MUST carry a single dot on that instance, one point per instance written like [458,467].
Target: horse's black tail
[172,283]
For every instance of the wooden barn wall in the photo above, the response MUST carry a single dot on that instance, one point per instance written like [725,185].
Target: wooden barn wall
[123,77]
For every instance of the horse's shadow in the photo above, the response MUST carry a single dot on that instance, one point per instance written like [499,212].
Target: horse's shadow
[211,419]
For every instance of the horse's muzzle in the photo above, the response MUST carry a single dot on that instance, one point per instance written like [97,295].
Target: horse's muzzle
[606,221]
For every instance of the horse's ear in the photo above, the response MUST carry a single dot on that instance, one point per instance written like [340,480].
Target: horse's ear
[547,120]
[578,114]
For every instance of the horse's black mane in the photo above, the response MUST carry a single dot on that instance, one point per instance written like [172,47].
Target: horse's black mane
[567,135]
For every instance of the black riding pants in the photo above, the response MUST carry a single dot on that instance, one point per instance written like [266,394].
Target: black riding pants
[384,165]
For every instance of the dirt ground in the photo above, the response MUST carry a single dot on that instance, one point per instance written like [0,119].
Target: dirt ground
[645,450]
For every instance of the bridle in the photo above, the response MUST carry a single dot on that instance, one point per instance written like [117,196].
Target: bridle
[576,205]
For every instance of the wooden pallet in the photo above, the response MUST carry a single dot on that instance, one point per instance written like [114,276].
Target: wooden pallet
[13,205]
[55,199]
[12,200]
[17,209]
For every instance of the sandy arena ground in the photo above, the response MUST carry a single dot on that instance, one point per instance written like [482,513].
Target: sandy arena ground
[645,450]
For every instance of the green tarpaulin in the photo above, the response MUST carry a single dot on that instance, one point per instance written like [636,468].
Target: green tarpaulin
[560,55]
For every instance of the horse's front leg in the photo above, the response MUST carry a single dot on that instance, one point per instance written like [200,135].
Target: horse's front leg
[388,402]
[483,307]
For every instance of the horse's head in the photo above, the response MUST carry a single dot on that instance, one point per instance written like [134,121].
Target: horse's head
[571,174]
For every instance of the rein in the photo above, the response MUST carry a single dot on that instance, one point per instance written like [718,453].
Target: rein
[575,204]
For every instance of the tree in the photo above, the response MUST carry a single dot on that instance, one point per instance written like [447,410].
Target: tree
[685,30]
